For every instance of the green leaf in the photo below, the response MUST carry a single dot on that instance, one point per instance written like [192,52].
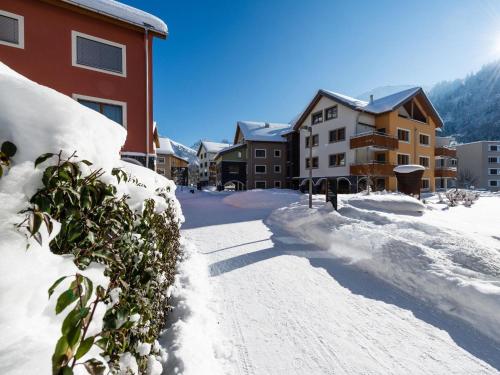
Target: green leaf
[35,222]
[89,287]
[67,371]
[65,299]
[94,367]
[9,148]
[56,283]
[42,158]
[73,318]
[84,347]
[60,357]
[86,162]
[1,171]
[74,334]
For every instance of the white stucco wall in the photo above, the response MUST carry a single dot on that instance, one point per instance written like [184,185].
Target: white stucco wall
[346,117]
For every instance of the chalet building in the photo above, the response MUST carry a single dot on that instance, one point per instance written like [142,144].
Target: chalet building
[97,52]
[479,165]
[352,139]
[171,165]
[257,160]
[206,154]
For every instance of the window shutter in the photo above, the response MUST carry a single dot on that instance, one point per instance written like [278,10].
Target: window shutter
[9,29]
[98,55]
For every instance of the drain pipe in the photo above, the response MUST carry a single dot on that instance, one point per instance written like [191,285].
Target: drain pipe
[146,44]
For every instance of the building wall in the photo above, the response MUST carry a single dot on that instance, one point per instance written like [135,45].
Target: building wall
[270,161]
[346,117]
[46,59]
[473,158]
[207,166]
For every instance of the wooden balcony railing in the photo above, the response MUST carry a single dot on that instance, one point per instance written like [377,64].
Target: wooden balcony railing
[445,172]
[374,139]
[372,168]
[446,152]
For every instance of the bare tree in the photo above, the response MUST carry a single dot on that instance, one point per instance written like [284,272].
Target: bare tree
[466,178]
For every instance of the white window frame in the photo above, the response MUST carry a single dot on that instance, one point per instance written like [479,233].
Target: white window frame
[409,135]
[257,181]
[75,34]
[423,144]
[260,157]
[429,182]
[279,168]
[279,184]
[426,157]
[490,148]
[493,158]
[260,165]
[20,23]
[161,159]
[279,153]
[497,181]
[105,101]
[402,153]
[493,174]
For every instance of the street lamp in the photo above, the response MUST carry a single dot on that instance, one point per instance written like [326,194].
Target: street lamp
[309,129]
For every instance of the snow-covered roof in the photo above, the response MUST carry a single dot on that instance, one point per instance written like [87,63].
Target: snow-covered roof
[226,149]
[170,147]
[390,102]
[263,131]
[123,12]
[409,168]
[213,147]
[165,147]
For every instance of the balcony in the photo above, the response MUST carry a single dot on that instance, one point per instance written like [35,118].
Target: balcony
[445,172]
[374,139]
[445,152]
[372,168]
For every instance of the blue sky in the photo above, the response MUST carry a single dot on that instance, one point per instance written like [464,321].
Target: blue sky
[263,60]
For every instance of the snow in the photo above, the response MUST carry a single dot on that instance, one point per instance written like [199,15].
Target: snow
[123,12]
[263,131]
[170,147]
[390,102]
[214,147]
[39,120]
[389,202]
[408,168]
[285,304]
[258,198]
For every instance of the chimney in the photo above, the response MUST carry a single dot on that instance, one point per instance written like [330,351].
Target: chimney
[371,98]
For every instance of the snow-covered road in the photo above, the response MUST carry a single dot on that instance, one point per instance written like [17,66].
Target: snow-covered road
[286,307]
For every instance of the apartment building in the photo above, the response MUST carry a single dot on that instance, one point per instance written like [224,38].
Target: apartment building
[445,163]
[206,155]
[354,139]
[99,53]
[231,167]
[171,165]
[479,165]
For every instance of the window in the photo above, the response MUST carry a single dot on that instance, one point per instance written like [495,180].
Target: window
[331,113]
[98,54]
[424,139]
[260,185]
[317,117]
[337,160]
[493,160]
[337,135]
[403,159]
[112,109]
[161,171]
[11,29]
[425,184]
[277,169]
[453,162]
[277,184]
[315,140]
[161,159]
[493,183]
[277,153]
[260,153]
[314,162]
[424,161]
[260,169]
[493,171]
[239,154]
[494,148]
[404,135]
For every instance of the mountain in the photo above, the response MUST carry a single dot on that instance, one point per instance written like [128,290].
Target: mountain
[470,107]
[184,152]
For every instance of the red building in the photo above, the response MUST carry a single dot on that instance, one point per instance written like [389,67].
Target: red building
[97,51]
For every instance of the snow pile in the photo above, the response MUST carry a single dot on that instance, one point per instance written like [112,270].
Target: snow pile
[408,168]
[427,256]
[389,202]
[191,326]
[270,198]
[39,120]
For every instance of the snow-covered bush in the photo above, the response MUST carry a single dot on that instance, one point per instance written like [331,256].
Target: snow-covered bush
[458,196]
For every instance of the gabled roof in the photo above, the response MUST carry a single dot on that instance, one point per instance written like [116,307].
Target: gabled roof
[177,150]
[123,12]
[165,147]
[261,131]
[229,149]
[212,147]
[376,107]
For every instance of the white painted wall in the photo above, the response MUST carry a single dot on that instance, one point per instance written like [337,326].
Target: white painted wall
[208,158]
[347,118]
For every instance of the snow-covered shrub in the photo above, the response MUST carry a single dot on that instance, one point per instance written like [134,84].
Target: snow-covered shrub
[458,196]
[139,250]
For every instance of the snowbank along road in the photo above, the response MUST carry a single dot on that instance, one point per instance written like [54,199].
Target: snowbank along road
[284,306]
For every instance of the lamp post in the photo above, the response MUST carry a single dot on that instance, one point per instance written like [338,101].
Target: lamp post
[309,129]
